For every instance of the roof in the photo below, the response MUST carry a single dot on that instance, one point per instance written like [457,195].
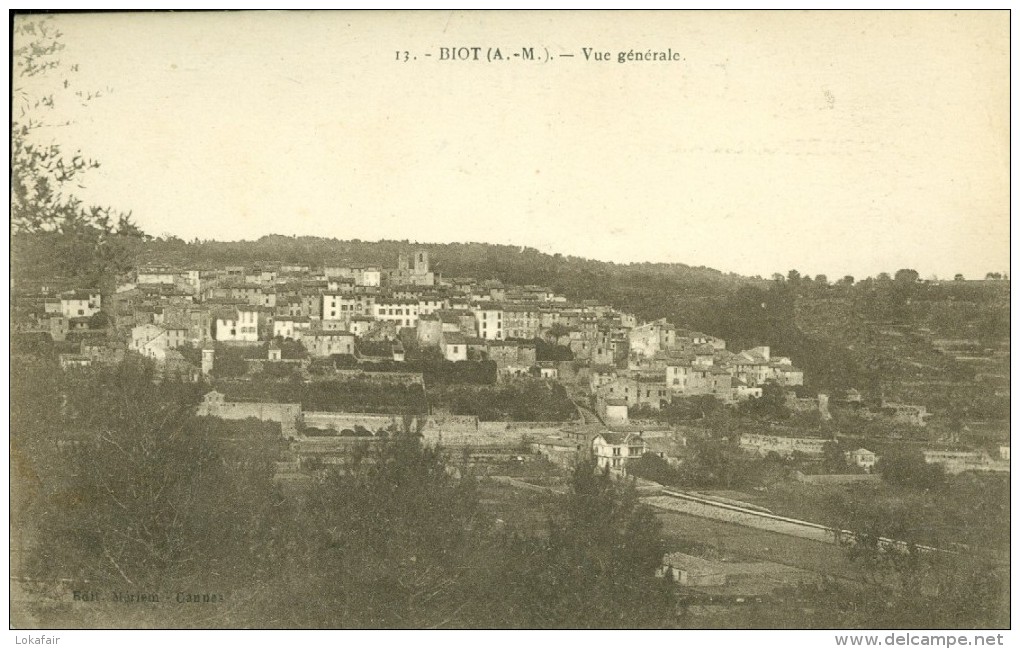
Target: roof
[501,343]
[454,339]
[619,439]
[696,565]
[78,295]
[319,332]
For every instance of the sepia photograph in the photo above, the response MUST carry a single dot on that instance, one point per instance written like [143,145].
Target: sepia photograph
[496,320]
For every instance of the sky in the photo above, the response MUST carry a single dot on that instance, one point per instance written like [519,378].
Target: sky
[827,142]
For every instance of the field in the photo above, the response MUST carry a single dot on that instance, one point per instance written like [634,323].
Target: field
[972,510]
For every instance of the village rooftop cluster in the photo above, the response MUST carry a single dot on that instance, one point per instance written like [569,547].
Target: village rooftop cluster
[369,315]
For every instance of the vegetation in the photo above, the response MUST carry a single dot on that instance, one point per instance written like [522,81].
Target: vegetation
[346,395]
[54,233]
[522,400]
[596,570]
[131,493]
[908,468]
[966,589]
[129,490]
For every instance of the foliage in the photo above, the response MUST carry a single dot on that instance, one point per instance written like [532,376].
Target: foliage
[131,487]
[522,400]
[229,362]
[546,351]
[908,468]
[279,370]
[443,372]
[344,395]
[54,232]
[771,405]
[926,589]
[597,568]
[652,467]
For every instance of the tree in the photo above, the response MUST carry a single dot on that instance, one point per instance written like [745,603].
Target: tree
[793,276]
[394,541]
[557,330]
[51,225]
[821,279]
[770,405]
[906,275]
[916,587]
[833,457]
[848,280]
[909,468]
[138,493]
[652,467]
[597,568]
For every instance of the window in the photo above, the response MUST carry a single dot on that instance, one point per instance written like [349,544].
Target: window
[616,450]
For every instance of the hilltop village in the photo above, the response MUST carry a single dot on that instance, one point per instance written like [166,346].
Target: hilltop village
[514,385]
[606,376]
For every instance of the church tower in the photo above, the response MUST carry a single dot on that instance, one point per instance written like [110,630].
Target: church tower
[421,262]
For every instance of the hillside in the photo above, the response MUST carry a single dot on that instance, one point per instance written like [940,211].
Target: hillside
[944,344]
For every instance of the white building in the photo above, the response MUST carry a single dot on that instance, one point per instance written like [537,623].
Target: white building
[340,306]
[490,322]
[863,458]
[290,327]
[403,313]
[615,450]
[241,325]
[153,341]
[367,277]
[454,347]
[80,304]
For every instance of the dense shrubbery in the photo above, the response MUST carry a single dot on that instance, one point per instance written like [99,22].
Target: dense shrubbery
[152,499]
[545,351]
[908,468]
[434,371]
[712,465]
[349,394]
[129,488]
[524,400]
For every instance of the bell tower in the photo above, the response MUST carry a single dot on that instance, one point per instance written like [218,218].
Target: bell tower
[421,262]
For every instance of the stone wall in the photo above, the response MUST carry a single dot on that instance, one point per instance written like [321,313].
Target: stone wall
[287,414]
